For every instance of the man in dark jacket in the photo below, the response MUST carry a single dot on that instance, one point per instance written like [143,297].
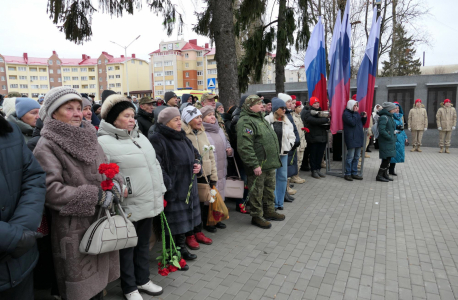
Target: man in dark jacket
[317,137]
[145,116]
[23,188]
[260,156]
[354,138]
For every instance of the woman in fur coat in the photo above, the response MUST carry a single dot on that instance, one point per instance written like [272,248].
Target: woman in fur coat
[70,155]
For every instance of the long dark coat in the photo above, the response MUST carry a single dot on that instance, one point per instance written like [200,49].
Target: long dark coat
[144,120]
[386,138]
[353,129]
[177,156]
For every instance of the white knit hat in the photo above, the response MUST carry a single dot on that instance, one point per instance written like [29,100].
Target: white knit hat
[189,113]
[55,98]
[284,97]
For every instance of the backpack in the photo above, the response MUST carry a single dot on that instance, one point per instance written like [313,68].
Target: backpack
[375,128]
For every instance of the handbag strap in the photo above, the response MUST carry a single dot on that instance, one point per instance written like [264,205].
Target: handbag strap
[236,167]
[203,170]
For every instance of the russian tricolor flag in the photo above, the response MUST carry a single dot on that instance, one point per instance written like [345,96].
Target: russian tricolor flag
[315,65]
[368,70]
[339,77]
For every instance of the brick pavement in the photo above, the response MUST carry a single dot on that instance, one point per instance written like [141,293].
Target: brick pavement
[340,240]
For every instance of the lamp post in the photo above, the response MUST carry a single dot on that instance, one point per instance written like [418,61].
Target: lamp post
[125,63]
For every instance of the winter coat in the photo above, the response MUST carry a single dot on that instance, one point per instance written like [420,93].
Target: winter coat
[137,162]
[299,125]
[353,129]
[287,137]
[315,124]
[71,157]
[257,142]
[446,117]
[401,138]
[32,143]
[216,137]
[387,137]
[177,156]
[23,188]
[144,121]
[26,129]
[418,118]
[199,140]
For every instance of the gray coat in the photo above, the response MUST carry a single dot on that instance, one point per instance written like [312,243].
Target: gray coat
[26,129]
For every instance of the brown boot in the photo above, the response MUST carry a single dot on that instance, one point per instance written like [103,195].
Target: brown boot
[297,179]
[274,216]
[418,149]
[413,149]
[290,190]
[441,150]
[446,150]
[367,155]
[261,222]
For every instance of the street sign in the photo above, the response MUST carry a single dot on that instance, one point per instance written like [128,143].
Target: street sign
[211,83]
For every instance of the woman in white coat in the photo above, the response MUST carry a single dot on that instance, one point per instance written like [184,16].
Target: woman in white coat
[124,145]
[286,139]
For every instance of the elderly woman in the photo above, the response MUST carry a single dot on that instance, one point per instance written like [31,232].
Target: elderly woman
[286,138]
[401,140]
[179,160]
[70,155]
[386,139]
[87,109]
[25,116]
[125,145]
[194,130]
[220,107]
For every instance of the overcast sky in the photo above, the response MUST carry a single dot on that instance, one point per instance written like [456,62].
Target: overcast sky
[26,27]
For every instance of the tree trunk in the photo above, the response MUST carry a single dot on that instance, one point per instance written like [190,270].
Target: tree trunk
[281,48]
[226,54]
[393,39]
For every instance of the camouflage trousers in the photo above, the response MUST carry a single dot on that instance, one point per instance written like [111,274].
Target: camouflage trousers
[261,196]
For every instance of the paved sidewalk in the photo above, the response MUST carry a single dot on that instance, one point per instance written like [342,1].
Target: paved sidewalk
[340,240]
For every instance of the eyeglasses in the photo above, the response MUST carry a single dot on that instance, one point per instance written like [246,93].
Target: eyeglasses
[284,108]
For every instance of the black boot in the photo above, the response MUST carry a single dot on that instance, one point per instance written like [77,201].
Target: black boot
[180,240]
[320,174]
[392,172]
[315,174]
[380,176]
[289,198]
[385,174]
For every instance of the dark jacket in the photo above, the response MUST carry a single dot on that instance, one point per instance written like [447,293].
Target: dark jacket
[23,188]
[177,156]
[292,155]
[353,129]
[257,142]
[32,143]
[185,97]
[315,124]
[386,138]
[144,120]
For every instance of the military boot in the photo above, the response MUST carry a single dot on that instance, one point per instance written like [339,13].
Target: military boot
[261,222]
[441,150]
[290,190]
[446,150]
[418,148]
[274,216]
[414,149]
[297,179]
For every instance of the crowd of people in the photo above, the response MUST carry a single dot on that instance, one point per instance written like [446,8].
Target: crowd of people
[51,151]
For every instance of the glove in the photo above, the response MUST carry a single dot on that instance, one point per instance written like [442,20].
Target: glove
[296,144]
[426,129]
[400,127]
[440,128]
[313,112]
[27,241]
[410,129]
[453,128]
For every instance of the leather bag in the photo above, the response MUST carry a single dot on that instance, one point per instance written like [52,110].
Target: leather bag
[204,189]
[109,233]
[235,186]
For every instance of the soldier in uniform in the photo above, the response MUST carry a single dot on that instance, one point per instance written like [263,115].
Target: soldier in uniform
[260,157]
[446,122]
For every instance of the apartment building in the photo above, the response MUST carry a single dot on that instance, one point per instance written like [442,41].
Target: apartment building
[34,76]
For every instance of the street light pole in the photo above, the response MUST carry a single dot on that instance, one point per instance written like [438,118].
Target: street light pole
[125,63]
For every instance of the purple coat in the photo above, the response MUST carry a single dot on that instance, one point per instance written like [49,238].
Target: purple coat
[217,138]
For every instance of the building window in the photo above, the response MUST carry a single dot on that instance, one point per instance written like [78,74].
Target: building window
[74,69]
[34,86]
[212,62]
[68,86]
[35,95]
[199,53]
[13,86]
[186,65]
[50,62]
[84,86]
[212,71]
[51,79]
[110,76]
[52,71]
[187,84]
[44,86]
[200,82]
[43,70]
[66,70]
[140,62]
[91,69]
[3,87]
[76,86]
[75,78]
[437,95]
[110,68]
[118,85]
[2,69]
[117,68]
[58,79]
[112,85]
[12,77]
[158,83]
[23,69]
[66,78]
[11,68]
[3,77]
[186,55]
[168,63]
[92,86]
[57,62]
[100,71]
[168,73]
[33,77]
[100,79]
[83,77]
[200,73]
[158,74]
[1,59]
[118,76]
[43,77]
[199,64]
[91,77]
[83,69]
[169,82]
[106,61]
[187,74]
[23,86]
[100,61]
[158,64]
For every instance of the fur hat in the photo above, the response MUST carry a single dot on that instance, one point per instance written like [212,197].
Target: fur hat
[284,97]
[167,114]
[113,106]
[206,110]
[55,98]
[9,106]
[24,105]
[189,113]
[14,95]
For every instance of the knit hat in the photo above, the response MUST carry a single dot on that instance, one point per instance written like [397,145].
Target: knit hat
[277,103]
[182,106]
[298,103]
[447,101]
[353,97]
[351,104]
[206,110]
[388,106]
[168,96]
[218,104]
[95,107]
[314,100]
[418,100]
[86,102]
[113,106]
[107,93]
[284,97]
[167,114]
[55,98]
[242,100]
[189,113]
[266,100]
[14,95]
[24,105]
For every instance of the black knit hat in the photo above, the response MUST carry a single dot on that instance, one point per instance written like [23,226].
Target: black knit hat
[117,109]
[266,100]
[107,93]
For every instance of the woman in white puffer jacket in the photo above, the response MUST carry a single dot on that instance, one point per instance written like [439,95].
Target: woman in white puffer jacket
[124,145]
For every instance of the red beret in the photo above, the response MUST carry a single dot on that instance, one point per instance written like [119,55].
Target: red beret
[354,97]
[298,103]
[418,100]
[447,101]
[314,100]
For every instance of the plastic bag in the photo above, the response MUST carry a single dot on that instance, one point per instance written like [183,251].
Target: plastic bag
[217,210]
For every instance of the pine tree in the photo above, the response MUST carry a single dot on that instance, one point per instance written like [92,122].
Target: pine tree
[402,62]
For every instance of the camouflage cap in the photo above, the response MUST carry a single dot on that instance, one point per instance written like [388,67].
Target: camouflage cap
[14,94]
[207,96]
[252,100]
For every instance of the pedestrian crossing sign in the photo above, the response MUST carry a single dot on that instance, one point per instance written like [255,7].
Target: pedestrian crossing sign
[211,83]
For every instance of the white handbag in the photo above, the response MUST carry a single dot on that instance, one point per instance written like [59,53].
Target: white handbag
[108,234]
[235,186]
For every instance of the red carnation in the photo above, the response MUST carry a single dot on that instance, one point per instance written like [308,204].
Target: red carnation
[305,129]
[172,268]
[103,168]
[114,166]
[110,173]
[182,263]
[107,185]
[96,128]
[165,203]
[163,272]
[159,265]
[217,215]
